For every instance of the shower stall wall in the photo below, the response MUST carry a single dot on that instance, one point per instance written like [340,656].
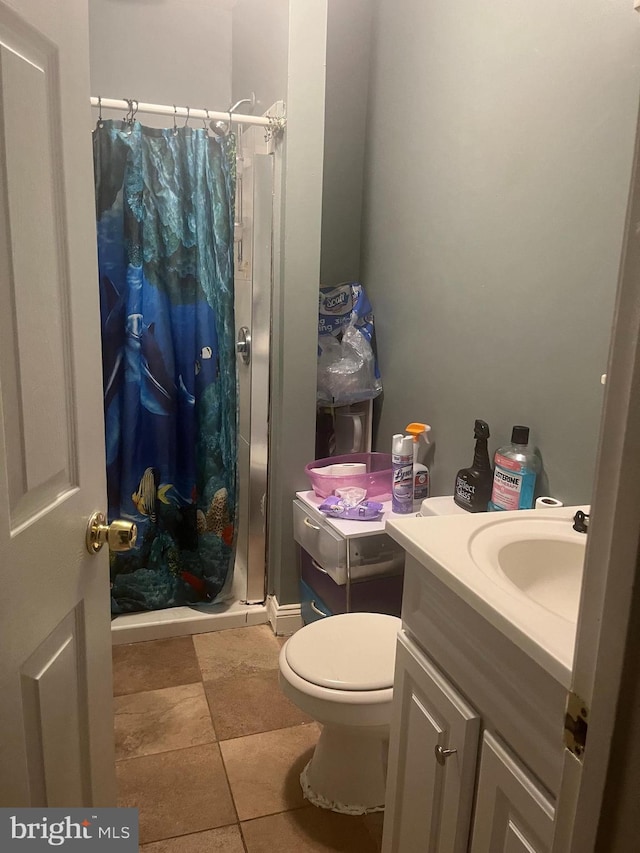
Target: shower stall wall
[257,203]
[253,283]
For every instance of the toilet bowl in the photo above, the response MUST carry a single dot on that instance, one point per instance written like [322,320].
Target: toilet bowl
[340,671]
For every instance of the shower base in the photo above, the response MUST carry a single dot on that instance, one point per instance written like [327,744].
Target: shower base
[182,621]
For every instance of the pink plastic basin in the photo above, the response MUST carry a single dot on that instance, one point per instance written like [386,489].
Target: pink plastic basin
[376,480]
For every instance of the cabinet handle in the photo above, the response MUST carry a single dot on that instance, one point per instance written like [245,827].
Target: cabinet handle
[317,609]
[442,754]
[310,524]
[319,568]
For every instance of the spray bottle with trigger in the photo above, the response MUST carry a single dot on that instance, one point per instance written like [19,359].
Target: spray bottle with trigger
[421,480]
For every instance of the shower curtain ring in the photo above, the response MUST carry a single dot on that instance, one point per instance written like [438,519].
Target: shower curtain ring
[205,122]
[128,118]
[175,125]
[186,121]
[134,110]
[99,123]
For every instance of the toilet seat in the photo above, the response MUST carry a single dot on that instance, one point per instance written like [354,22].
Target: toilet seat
[348,652]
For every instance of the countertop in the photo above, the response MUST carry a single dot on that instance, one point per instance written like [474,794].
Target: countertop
[440,545]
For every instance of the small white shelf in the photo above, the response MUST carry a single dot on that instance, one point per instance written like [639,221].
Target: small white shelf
[352,529]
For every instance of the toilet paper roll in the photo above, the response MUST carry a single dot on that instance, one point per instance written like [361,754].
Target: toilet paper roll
[346,469]
[547,503]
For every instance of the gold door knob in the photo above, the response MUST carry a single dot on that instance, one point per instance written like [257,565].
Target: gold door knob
[119,535]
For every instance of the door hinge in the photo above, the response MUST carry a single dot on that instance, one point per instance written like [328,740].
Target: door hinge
[576,725]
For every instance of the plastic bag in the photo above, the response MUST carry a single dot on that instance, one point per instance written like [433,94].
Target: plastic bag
[364,511]
[347,368]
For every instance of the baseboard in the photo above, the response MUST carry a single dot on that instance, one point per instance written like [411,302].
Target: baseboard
[285,619]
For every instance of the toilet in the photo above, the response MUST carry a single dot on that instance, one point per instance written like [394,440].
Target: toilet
[340,671]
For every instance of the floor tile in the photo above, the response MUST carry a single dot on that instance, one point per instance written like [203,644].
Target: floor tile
[227,839]
[241,651]
[154,665]
[248,704]
[374,823]
[264,769]
[178,792]
[310,830]
[161,720]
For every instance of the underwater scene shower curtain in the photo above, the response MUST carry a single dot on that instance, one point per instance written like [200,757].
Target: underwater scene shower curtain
[165,212]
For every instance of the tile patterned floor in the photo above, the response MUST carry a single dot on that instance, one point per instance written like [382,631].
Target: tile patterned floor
[210,750]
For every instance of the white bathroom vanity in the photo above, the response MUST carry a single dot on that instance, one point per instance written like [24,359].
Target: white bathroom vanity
[483,669]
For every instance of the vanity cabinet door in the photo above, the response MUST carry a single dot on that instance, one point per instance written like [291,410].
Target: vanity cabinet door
[513,814]
[429,796]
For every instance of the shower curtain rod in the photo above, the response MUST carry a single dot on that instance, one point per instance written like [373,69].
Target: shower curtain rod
[184,112]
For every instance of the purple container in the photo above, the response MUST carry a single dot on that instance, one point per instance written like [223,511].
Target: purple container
[376,480]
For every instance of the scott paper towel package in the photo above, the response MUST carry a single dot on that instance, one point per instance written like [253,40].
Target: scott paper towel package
[347,367]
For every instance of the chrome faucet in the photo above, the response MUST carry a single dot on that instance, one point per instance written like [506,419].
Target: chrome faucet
[581,521]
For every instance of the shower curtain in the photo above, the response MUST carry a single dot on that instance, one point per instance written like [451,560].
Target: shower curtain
[165,212]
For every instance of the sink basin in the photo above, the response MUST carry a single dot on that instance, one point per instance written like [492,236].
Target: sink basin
[521,571]
[542,558]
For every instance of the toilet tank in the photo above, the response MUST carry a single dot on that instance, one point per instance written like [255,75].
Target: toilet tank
[444,505]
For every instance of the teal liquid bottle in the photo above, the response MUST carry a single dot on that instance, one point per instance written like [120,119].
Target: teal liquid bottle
[516,467]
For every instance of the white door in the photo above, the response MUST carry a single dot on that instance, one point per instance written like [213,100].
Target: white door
[432,760]
[611,564]
[56,744]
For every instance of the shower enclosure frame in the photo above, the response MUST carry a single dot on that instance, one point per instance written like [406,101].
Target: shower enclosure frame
[253,306]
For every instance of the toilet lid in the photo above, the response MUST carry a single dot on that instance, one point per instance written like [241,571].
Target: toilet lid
[353,651]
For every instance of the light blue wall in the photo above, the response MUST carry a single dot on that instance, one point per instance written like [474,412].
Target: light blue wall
[260,49]
[345,119]
[498,164]
[164,52]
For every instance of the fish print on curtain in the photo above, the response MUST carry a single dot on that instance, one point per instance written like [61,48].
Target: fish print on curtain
[165,211]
